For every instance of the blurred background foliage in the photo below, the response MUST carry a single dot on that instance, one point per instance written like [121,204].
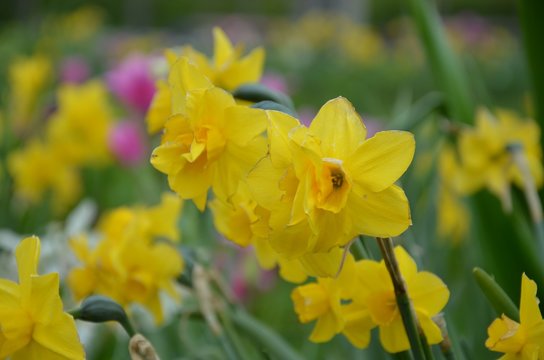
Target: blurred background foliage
[366,51]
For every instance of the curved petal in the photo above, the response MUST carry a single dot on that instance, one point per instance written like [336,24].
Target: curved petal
[326,327]
[222,47]
[529,311]
[322,264]
[358,325]
[381,160]
[60,336]
[244,124]
[247,70]
[279,126]
[339,127]
[428,292]
[393,336]
[382,214]
[407,265]
[27,254]
[44,300]
[430,329]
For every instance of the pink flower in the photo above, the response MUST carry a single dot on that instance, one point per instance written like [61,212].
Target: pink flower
[74,70]
[132,82]
[127,143]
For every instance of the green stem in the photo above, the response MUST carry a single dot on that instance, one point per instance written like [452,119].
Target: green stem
[404,304]
[270,341]
[445,345]
[444,64]
[496,295]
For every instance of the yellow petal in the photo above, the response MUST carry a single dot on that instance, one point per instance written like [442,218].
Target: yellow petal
[27,254]
[382,214]
[223,50]
[428,292]
[504,336]
[266,256]
[183,78]
[407,265]
[207,107]
[393,337]
[44,301]
[339,127]
[291,270]
[430,329]
[322,264]
[244,124]
[263,181]
[358,325]
[60,336]
[279,126]
[247,70]
[159,109]
[193,181]
[326,327]
[529,311]
[378,162]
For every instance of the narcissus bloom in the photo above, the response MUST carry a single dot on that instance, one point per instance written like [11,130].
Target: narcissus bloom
[33,324]
[327,183]
[228,69]
[210,142]
[128,264]
[319,301]
[40,168]
[484,155]
[81,125]
[374,302]
[523,341]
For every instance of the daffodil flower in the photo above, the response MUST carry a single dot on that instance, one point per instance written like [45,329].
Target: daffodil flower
[33,324]
[327,183]
[523,341]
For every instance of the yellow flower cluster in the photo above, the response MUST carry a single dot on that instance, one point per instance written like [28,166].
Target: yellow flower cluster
[129,264]
[228,69]
[523,340]
[297,200]
[482,160]
[362,297]
[75,136]
[33,324]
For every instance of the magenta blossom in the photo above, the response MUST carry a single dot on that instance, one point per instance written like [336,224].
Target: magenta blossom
[74,70]
[132,82]
[126,142]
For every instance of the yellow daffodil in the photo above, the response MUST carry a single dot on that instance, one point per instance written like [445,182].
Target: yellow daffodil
[327,183]
[484,154]
[160,108]
[27,78]
[228,69]
[80,127]
[37,168]
[213,143]
[33,324]
[127,264]
[374,303]
[523,341]
[319,301]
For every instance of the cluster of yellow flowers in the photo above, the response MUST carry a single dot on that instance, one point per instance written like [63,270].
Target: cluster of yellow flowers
[523,340]
[362,297]
[129,263]
[482,159]
[33,324]
[75,136]
[298,194]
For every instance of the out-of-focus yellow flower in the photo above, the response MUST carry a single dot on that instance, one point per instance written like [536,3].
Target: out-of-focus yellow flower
[27,78]
[325,184]
[453,216]
[37,168]
[523,341]
[128,264]
[484,156]
[374,303]
[228,69]
[319,301]
[212,143]
[80,127]
[81,23]
[361,44]
[33,324]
